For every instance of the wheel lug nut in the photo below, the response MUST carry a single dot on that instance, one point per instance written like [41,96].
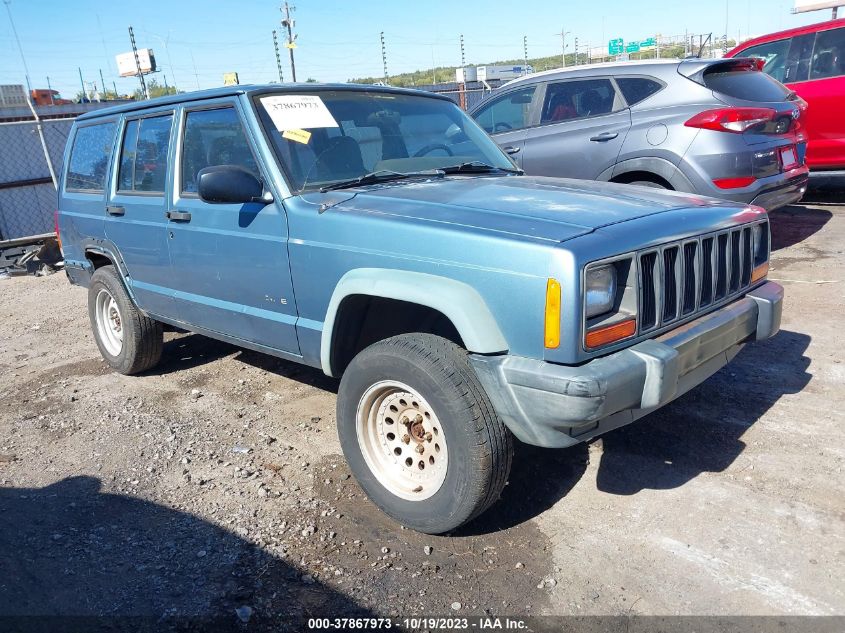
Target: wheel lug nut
[428,437]
[406,438]
[420,449]
[405,420]
[419,418]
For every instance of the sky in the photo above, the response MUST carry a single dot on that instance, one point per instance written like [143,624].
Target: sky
[195,41]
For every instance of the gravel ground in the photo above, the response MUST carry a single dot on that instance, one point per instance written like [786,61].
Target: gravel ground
[213,487]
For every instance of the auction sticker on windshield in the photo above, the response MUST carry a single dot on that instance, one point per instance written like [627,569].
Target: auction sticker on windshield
[297,112]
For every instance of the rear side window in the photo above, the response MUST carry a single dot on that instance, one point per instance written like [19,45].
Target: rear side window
[578,99]
[143,157]
[213,137]
[773,55]
[800,55]
[749,85]
[828,55]
[508,112]
[90,157]
[636,89]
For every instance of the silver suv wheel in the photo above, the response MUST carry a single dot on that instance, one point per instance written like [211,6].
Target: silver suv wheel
[109,322]
[401,440]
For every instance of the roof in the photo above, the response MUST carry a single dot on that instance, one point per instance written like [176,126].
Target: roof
[590,68]
[228,91]
[798,30]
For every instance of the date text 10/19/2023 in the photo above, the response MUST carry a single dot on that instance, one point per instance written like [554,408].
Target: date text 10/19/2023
[479,623]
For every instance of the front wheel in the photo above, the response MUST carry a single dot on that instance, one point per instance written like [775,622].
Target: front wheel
[419,432]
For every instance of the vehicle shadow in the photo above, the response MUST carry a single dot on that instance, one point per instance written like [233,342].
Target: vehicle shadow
[540,477]
[795,223]
[79,559]
[187,350]
[702,431]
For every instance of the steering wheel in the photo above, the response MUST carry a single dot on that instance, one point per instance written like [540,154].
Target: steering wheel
[430,148]
[501,126]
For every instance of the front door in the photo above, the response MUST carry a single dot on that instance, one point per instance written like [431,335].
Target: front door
[505,118]
[583,123]
[229,262]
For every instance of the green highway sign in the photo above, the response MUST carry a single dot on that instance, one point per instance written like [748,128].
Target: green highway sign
[632,47]
[649,43]
[616,47]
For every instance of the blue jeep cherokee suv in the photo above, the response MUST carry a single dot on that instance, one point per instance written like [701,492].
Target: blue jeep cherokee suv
[380,235]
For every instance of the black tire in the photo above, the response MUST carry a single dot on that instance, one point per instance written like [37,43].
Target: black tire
[143,337]
[648,183]
[479,445]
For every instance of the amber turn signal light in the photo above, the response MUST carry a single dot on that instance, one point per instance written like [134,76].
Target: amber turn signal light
[610,333]
[551,329]
[759,272]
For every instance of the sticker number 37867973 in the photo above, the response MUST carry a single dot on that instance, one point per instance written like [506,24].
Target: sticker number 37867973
[296,112]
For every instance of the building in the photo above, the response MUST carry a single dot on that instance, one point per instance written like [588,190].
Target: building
[12,96]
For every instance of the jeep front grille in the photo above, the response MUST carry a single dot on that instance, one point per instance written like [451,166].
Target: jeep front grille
[682,278]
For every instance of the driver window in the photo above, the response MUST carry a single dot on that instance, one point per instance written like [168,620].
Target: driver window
[506,113]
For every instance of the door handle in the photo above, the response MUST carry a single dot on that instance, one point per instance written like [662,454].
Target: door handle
[114,210]
[178,216]
[510,149]
[605,136]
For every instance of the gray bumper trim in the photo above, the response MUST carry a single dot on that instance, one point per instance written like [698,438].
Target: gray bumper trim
[557,405]
[782,195]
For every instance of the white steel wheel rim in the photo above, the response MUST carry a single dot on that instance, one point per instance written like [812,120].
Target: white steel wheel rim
[109,322]
[401,440]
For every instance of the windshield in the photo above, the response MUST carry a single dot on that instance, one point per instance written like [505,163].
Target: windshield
[329,136]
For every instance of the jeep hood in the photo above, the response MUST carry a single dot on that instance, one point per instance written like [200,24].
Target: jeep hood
[554,209]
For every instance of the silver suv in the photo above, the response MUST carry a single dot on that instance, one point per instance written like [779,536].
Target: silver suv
[719,128]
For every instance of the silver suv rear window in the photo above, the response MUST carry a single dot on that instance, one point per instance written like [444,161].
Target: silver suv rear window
[749,85]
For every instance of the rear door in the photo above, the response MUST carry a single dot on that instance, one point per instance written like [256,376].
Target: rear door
[135,220]
[582,124]
[505,117]
[230,268]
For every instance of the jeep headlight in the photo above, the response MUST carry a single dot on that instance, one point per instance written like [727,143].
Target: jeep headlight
[599,290]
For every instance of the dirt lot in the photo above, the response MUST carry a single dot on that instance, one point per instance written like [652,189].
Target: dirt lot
[215,483]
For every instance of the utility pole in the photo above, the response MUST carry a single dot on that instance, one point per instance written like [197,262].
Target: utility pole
[463,59]
[525,50]
[114,85]
[278,59]
[384,56]
[144,92]
[576,51]
[82,83]
[50,90]
[563,33]
[289,23]
[102,81]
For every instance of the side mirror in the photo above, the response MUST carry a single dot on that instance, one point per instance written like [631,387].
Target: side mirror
[230,184]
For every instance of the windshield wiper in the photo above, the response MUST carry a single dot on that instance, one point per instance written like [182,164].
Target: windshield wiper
[382,175]
[478,167]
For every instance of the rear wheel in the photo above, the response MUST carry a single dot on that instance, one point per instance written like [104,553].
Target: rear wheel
[129,341]
[419,432]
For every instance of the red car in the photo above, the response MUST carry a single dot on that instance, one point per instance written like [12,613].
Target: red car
[811,61]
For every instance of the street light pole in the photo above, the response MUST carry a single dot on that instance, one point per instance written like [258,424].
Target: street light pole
[288,24]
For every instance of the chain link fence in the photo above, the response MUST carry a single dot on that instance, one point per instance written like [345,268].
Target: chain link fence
[27,195]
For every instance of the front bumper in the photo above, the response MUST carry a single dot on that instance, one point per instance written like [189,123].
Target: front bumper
[557,405]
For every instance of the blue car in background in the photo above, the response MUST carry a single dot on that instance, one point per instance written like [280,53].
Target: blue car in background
[381,236]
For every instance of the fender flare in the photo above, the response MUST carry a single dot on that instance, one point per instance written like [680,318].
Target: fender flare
[459,302]
[109,250]
[658,166]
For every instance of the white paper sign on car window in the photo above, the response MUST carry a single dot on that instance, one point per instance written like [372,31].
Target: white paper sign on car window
[298,112]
